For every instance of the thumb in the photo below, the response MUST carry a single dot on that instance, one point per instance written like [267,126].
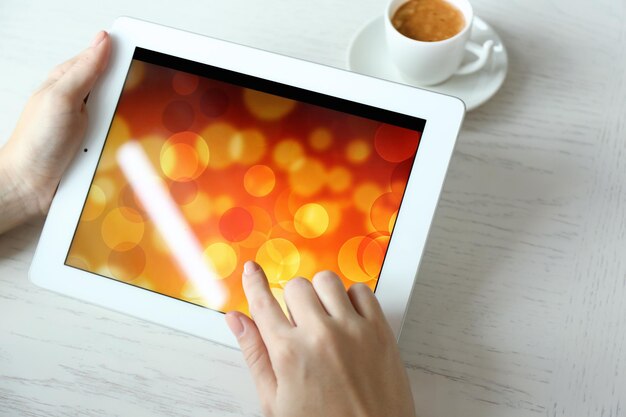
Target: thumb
[256,356]
[78,79]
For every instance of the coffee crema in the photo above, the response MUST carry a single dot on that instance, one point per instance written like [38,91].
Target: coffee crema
[428,20]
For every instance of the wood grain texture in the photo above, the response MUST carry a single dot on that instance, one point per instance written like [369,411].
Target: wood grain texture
[520,306]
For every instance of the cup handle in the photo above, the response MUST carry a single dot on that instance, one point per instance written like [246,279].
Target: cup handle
[483,53]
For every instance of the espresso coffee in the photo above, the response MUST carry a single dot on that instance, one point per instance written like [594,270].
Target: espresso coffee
[428,20]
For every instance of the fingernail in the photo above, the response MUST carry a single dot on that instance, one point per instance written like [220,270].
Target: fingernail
[250,267]
[235,324]
[98,39]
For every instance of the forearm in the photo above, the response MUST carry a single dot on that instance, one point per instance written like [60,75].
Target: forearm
[16,204]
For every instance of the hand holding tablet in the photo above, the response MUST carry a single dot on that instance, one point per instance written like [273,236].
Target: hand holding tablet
[47,135]
[336,357]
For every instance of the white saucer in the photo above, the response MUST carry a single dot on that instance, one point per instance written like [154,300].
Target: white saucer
[368,55]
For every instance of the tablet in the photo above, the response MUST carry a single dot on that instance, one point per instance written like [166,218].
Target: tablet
[202,154]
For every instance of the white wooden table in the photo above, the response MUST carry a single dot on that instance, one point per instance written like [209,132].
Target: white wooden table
[520,309]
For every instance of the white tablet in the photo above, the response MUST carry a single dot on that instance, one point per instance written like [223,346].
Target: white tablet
[201,154]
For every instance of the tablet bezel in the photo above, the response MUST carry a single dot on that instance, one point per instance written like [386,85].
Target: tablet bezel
[443,115]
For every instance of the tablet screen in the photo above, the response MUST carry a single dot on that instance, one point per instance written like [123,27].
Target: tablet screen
[205,168]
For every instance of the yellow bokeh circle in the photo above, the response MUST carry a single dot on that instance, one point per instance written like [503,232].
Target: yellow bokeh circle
[308,264]
[320,139]
[267,107]
[158,243]
[135,76]
[184,156]
[334,211]
[247,147]
[122,228]
[221,203]
[392,221]
[96,201]
[307,178]
[288,153]
[339,179]
[365,195]
[279,258]
[107,185]
[79,262]
[199,209]
[219,137]
[372,253]
[152,146]
[118,134]
[358,151]
[311,220]
[179,162]
[259,180]
[222,259]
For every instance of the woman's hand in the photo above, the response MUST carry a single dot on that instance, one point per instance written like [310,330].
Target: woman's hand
[337,357]
[47,135]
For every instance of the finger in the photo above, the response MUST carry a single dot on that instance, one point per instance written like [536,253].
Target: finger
[302,301]
[264,308]
[78,79]
[332,294]
[58,72]
[61,69]
[254,352]
[364,302]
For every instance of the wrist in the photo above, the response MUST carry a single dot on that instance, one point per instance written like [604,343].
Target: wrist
[18,200]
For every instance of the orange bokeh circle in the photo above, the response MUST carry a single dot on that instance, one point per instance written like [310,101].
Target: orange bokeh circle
[183,192]
[371,253]
[320,139]
[218,137]
[262,225]
[400,176]
[365,195]
[122,228]
[285,207]
[347,259]
[396,144]
[184,83]
[259,180]
[360,258]
[127,265]
[383,210]
[236,224]
[267,107]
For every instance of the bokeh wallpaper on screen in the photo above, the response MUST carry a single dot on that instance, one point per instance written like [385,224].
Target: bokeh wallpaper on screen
[234,174]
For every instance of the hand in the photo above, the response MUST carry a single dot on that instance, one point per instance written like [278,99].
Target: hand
[337,357]
[48,134]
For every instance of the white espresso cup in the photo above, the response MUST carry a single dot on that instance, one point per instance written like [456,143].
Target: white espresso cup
[429,63]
